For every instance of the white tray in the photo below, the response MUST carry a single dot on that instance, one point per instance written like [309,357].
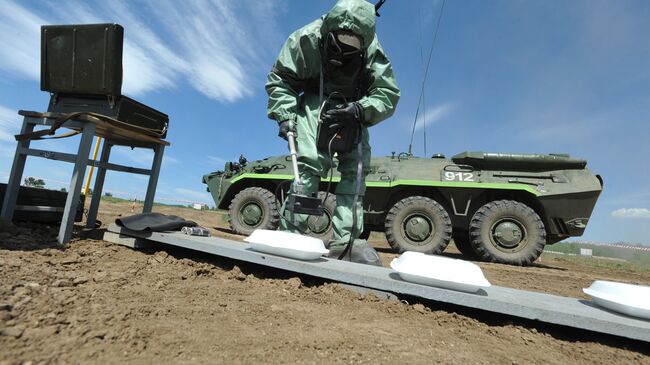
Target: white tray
[286,244]
[630,299]
[440,272]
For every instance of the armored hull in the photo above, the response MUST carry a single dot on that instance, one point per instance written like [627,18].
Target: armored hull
[496,207]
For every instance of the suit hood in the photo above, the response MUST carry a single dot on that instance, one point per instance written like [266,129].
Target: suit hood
[357,16]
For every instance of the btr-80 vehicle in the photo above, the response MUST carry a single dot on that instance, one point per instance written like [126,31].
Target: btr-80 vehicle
[497,207]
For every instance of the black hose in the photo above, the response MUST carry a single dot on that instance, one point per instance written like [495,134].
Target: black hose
[329,156]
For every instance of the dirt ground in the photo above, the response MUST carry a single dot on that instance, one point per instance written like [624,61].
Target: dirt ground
[95,302]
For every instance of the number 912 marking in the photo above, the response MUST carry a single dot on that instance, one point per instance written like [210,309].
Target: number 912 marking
[458,176]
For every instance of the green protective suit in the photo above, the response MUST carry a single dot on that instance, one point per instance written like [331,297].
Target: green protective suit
[293,87]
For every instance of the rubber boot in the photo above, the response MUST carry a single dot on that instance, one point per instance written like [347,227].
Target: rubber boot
[360,253]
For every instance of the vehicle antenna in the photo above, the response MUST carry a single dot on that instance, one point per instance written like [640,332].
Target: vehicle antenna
[426,73]
[424,102]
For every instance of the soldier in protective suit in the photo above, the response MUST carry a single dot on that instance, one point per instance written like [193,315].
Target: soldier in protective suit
[337,58]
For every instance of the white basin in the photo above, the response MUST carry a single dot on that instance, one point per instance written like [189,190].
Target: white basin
[286,244]
[630,299]
[440,272]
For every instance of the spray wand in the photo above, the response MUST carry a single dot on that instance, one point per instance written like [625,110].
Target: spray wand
[298,202]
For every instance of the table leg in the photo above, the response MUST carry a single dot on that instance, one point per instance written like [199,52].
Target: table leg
[153,178]
[76,182]
[17,169]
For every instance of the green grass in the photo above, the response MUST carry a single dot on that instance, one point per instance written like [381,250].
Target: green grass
[634,259]
[597,263]
[112,199]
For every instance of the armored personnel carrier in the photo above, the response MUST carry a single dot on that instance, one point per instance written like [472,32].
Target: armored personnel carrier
[496,207]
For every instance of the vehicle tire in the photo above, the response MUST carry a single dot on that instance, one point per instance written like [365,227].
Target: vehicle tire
[508,232]
[461,240]
[321,226]
[253,208]
[418,224]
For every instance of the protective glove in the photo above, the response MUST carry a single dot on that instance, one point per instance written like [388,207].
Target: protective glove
[286,127]
[349,113]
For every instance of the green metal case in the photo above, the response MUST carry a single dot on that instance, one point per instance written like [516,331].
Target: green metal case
[82,59]
[41,205]
[122,108]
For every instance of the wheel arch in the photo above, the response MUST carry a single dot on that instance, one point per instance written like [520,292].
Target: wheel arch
[431,192]
[520,196]
[443,195]
[234,189]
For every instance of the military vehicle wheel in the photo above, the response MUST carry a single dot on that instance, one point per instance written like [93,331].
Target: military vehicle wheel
[508,232]
[461,240]
[418,224]
[253,208]
[321,226]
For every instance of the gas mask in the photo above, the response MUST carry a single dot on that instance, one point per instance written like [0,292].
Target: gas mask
[343,49]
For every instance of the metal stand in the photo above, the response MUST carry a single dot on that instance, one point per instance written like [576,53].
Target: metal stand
[88,130]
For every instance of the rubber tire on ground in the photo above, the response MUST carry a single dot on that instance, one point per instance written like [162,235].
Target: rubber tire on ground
[461,241]
[482,240]
[267,203]
[424,207]
[328,206]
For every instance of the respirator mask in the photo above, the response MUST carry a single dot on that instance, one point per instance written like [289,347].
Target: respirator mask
[343,48]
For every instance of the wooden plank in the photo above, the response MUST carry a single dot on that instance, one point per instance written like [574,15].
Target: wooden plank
[122,134]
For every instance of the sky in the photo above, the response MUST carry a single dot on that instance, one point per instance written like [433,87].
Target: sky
[505,76]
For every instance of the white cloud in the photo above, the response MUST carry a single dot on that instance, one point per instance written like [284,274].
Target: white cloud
[428,11]
[632,197]
[6,157]
[141,156]
[19,40]
[141,73]
[221,42]
[169,160]
[4,175]
[10,123]
[631,213]
[213,45]
[434,114]
[217,161]
[189,195]
[149,63]
[572,93]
